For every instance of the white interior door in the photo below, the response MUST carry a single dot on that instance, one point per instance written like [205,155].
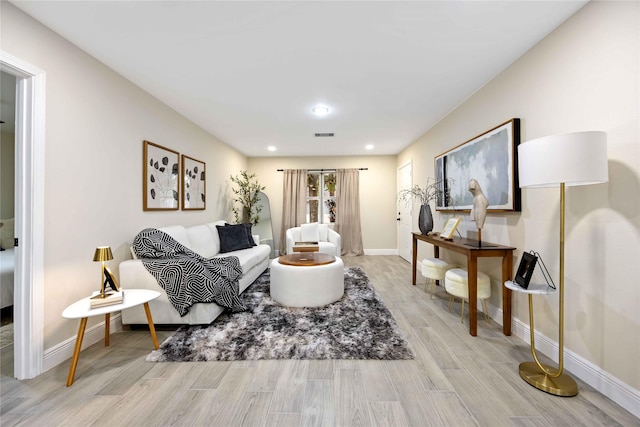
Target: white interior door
[405,213]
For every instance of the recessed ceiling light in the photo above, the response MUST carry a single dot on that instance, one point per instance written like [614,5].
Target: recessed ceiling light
[320,110]
[271,148]
[369,147]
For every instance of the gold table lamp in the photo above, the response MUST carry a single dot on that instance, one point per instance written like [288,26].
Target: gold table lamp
[102,254]
[578,158]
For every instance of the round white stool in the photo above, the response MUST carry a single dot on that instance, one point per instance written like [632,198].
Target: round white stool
[307,286]
[434,269]
[456,283]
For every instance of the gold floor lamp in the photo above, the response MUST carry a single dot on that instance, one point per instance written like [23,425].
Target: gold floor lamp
[570,159]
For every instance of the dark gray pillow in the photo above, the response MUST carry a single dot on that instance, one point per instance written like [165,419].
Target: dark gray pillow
[247,227]
[233,238]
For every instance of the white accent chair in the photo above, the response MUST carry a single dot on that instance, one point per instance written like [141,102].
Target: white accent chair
[329,241]
[456,283]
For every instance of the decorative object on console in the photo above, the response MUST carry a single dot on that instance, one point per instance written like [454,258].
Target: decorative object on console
[494,153]
[449,228]
[358,326]
[193,184]
[478,207]
[425,219]
[570,159]
[433,190]
[102,254]
[160,183]
[247,196]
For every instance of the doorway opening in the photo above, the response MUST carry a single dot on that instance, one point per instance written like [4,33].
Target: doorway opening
[405,212]
[7,212]
[28,302]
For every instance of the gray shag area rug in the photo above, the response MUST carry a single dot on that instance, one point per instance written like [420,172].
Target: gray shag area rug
[358,326]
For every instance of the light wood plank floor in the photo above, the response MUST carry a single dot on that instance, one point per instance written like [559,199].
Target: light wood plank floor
[455,380]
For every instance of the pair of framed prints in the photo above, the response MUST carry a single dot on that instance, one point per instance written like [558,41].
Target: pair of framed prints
[166,184]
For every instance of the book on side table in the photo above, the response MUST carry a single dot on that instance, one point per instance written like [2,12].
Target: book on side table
[110,298]
[306,247]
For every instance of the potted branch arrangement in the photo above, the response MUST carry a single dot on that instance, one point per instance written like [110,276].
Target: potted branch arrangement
[246,208]
[434,189]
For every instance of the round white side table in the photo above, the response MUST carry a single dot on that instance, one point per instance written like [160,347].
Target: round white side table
[536,373]
[82,310]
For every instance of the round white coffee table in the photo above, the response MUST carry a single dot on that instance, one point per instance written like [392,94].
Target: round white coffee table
[82,310]
[307,279]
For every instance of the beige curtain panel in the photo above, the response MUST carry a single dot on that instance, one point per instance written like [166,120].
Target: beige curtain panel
[294,202]
[348,211]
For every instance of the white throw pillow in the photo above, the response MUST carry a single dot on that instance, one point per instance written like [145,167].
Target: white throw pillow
[323,233]
[309,232]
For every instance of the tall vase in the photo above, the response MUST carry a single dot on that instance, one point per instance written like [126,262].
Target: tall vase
[425,219]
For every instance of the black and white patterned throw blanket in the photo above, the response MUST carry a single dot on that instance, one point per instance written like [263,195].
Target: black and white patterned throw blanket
[187,277]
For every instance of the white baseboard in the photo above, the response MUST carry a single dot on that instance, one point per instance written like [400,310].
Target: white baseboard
[602,381]
[63,351]
[381,252]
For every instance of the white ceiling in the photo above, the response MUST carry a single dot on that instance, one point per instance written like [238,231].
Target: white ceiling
[249,72]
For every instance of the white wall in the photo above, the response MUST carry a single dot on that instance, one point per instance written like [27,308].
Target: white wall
[95,124]
[584,76]
[377,193]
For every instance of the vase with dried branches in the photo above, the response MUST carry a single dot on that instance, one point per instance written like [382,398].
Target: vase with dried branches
[434,189]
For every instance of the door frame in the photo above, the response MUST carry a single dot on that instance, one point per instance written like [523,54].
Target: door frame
[28,313]
[410,209]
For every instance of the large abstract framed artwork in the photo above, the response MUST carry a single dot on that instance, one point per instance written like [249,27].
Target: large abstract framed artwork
[160,178]
[490,159]
[193,184]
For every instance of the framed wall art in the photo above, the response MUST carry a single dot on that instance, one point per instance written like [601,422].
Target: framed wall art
[160,183]
[193,184]
[490,159]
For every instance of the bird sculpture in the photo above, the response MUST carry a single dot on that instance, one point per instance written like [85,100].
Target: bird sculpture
[480,203]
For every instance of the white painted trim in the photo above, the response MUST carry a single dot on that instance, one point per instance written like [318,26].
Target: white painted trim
[29,206]
[63,351]
[381,251]
[602,381]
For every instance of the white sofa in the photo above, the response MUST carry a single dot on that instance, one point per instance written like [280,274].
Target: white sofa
[204,240]
[329,241]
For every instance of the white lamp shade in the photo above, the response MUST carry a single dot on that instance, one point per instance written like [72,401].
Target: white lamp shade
[578,158]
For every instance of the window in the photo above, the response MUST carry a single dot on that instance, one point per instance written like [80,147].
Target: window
[321,197]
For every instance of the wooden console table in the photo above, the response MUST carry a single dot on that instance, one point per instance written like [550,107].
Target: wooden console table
[473,252]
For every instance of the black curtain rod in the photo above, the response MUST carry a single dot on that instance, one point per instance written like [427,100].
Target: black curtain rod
[324,170]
